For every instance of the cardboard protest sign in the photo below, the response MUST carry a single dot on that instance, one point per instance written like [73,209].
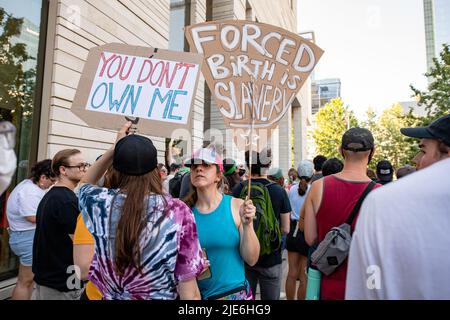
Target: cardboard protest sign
[119,81]
[253,70]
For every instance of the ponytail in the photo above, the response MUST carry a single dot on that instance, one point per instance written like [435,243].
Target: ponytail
[303,186]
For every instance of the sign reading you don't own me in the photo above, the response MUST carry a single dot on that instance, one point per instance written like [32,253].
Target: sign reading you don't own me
[237,52]
[158,86]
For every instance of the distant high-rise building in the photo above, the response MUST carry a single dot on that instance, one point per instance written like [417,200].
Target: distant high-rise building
[323,91]
[29,35]
[437,27]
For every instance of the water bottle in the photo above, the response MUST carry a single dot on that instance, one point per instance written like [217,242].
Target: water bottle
[313,284]
[295,231]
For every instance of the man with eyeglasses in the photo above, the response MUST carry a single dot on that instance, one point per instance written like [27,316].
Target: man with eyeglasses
[56,220]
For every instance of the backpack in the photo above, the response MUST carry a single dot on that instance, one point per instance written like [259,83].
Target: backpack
[266,225]
[333,250]
[175,184]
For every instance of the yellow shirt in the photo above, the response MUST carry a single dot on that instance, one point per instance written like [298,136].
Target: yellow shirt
[83,236]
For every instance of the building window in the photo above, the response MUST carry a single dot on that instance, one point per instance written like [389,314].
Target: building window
[20,26]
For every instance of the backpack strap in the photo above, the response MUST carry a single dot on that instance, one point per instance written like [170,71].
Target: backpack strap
[359,203]
[182,174]
[244,183]
[269,184]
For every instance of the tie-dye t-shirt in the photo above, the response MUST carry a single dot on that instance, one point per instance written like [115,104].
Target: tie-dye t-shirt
[169,253]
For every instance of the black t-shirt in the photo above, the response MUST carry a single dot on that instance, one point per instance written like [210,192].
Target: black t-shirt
[56,219]
[281,205]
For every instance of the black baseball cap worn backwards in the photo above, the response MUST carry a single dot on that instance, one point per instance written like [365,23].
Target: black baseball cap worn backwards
[357,139]
[135,155]
[437,130]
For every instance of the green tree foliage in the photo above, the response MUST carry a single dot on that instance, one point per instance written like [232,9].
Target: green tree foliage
[17,85]
[436,99]
[390,143]
[371,124]
[332,121]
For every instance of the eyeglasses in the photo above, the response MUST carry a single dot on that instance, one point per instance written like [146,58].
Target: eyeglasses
[80,167]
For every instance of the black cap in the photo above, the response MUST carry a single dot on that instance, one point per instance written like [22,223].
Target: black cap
[357,139]
[135,155]
[385,171]
[438,130]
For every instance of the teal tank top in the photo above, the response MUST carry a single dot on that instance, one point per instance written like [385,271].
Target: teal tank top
[218,234]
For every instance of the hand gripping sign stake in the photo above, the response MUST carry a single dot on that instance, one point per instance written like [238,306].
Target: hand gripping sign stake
[133,129]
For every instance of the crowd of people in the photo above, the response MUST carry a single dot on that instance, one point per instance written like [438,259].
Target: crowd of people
[130,228]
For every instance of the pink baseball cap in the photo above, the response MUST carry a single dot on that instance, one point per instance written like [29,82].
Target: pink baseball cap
[208,155]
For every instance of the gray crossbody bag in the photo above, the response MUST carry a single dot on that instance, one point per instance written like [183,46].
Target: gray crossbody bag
[334,248]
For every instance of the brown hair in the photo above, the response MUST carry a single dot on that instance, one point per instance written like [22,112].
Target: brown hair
[112,178]
[192,197]
[231,181]
[133,219]
[61,158]
[293,173]
[41,168]
[303,185]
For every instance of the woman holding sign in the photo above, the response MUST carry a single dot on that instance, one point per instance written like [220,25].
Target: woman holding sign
[225,230]
[146,243]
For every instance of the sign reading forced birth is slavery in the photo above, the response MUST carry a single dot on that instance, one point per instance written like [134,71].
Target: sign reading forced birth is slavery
[119,81]
[254,70]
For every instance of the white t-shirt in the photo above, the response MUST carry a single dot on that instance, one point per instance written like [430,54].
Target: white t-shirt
[296,201]
[401,241]
[23,202]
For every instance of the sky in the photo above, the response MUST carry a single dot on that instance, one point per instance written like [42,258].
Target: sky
[29,9]
[376,48]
